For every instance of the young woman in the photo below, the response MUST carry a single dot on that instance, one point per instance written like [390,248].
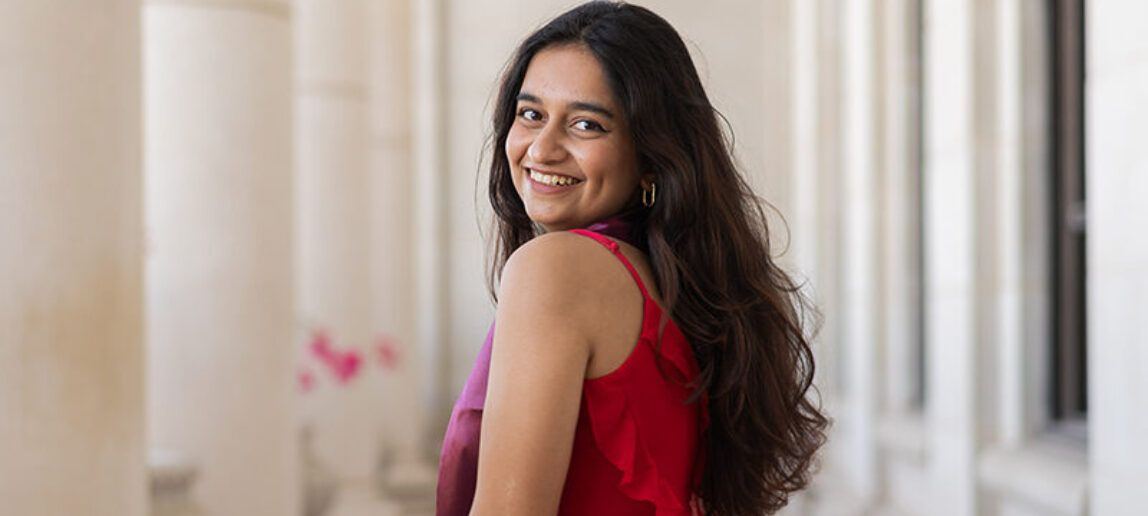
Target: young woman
[648,356]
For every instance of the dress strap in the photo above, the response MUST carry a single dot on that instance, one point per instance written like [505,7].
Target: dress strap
[613,247]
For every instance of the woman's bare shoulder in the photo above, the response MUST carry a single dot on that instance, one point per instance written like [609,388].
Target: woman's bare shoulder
[555,245]
[567,272]
[558,259]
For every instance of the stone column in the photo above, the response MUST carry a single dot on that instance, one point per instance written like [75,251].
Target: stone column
[828,27]
[950,254]
[900,429]
[431,215]
[990,221]
[334,242]
[71,343]
[393,237]
[219,270]
[900,218]
[1010,253]
[861,293]
[1117,182]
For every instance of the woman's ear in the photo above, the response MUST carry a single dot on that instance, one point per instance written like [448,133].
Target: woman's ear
[646,181]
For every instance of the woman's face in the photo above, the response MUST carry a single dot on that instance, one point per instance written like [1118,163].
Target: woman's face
[570,152]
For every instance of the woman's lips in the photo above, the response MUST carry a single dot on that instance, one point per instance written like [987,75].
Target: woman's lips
[549,182]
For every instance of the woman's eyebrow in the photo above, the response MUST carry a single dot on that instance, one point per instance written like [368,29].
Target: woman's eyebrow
[528,98]
[575,106]
[594,108]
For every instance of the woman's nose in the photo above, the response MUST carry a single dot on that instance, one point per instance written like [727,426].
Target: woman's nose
[547,146]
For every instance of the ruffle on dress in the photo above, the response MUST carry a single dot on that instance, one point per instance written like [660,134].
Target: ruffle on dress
[618,433]
[618,437]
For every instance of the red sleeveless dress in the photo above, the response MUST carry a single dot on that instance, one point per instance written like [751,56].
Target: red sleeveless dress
[637,447]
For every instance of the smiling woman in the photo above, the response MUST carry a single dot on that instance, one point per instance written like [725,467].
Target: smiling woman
[570,151]
[648,356]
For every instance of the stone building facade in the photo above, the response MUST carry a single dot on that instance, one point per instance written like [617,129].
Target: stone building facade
[245,238]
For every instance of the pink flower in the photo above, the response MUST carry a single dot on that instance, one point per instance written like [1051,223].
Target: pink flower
[321,346]
[346,366]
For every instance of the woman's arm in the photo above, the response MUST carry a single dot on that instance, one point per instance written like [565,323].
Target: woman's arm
[544,328]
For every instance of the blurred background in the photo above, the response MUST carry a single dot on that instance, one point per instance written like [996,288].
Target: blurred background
[242,244]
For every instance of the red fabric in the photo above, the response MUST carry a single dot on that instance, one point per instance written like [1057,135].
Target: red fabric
[637,447]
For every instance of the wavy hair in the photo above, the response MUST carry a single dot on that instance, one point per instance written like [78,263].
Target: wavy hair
[709,250]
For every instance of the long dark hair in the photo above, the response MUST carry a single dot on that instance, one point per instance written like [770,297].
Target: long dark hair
[709,249]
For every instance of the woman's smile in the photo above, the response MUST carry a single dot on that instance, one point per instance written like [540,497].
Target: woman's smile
[547,178]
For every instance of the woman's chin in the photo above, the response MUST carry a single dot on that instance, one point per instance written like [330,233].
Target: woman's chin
[550,221]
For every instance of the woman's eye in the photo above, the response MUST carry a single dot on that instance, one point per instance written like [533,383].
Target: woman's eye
[589,125]
[529,114]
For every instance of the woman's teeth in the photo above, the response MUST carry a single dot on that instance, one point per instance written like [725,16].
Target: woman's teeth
[552,180]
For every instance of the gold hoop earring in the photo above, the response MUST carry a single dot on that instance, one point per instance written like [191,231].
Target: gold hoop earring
[649,196]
